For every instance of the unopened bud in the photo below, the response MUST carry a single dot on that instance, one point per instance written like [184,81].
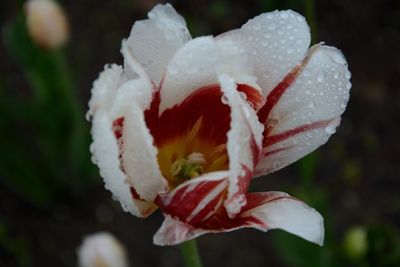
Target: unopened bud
[46,23]
[355,242]
[102,250]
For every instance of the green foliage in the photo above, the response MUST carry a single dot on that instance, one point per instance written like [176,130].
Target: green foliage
[44,137]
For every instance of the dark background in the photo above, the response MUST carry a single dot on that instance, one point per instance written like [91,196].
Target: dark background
[51,197]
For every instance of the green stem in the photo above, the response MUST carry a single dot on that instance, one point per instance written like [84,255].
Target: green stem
[190,254]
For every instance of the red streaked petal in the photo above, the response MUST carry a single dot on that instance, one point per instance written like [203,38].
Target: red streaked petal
[273,139]
[173,232]
[277,210]
[303,111]
[253,95]
[196,199]
[175,122]
[244,142]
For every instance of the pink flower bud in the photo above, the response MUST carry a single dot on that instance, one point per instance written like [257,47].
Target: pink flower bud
[102,250]
[46,23]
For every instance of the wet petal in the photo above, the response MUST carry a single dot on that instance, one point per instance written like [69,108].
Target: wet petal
[276,210]
[306,109]
[244,143]
[106,153]
[155,40]
[197,65]
[275,42]
[173,232]
[195,200]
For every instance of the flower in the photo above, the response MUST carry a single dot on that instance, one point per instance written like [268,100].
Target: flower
[186,123]
[102,250]
[46,23]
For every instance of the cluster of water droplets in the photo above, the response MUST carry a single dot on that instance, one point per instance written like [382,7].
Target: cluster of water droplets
[278,40]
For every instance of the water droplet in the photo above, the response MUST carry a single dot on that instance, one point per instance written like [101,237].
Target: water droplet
[272,26]
[272,122]
[267,35]
[243,95]
[284,15]
[289,50]
[277,165]
[256,26]
[348,86]
[331,127]
[224,100]
[321,76]
[347,74]
[336,75]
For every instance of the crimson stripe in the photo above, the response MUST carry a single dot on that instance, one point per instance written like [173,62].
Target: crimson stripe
[183,203]
[269,153]
[213,205]
[273,139]
[254,96]
[275,95]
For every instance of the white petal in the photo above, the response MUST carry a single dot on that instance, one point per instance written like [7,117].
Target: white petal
[155,40]
[292,216]
[243,138]
[106,156]
[139,156]
[173,232]
[275,42]
[104,89]
[198,63]
[317,98]
[193,66]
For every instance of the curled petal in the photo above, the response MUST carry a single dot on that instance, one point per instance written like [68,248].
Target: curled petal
[155,40]
[303,111]
[244,142]
[197,65]
[173,232]
[106,155]
[104,89]
[276,210]
[191,68]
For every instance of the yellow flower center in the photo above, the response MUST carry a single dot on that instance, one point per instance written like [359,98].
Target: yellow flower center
[190,156]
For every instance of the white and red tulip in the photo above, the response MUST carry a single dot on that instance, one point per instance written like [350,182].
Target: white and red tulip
[186,123]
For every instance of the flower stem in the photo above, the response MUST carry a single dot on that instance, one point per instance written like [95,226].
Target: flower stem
[190,254]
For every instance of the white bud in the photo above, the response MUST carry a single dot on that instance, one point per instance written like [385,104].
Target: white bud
[46,23]
[102,250]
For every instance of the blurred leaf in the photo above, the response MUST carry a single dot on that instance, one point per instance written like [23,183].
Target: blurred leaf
[47,150]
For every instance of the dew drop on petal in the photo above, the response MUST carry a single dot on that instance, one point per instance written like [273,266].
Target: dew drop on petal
[331,127]
[243,95]
[277,165]
[347,74]
[290,50]
[320,76]
[224,100]
[284,15]
[272,26]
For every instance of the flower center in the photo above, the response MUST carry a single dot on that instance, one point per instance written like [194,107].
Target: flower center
[188,168]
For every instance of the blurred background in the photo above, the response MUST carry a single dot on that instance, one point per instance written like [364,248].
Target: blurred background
[51,195]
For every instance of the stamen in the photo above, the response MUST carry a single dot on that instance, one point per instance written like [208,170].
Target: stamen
[191,167]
